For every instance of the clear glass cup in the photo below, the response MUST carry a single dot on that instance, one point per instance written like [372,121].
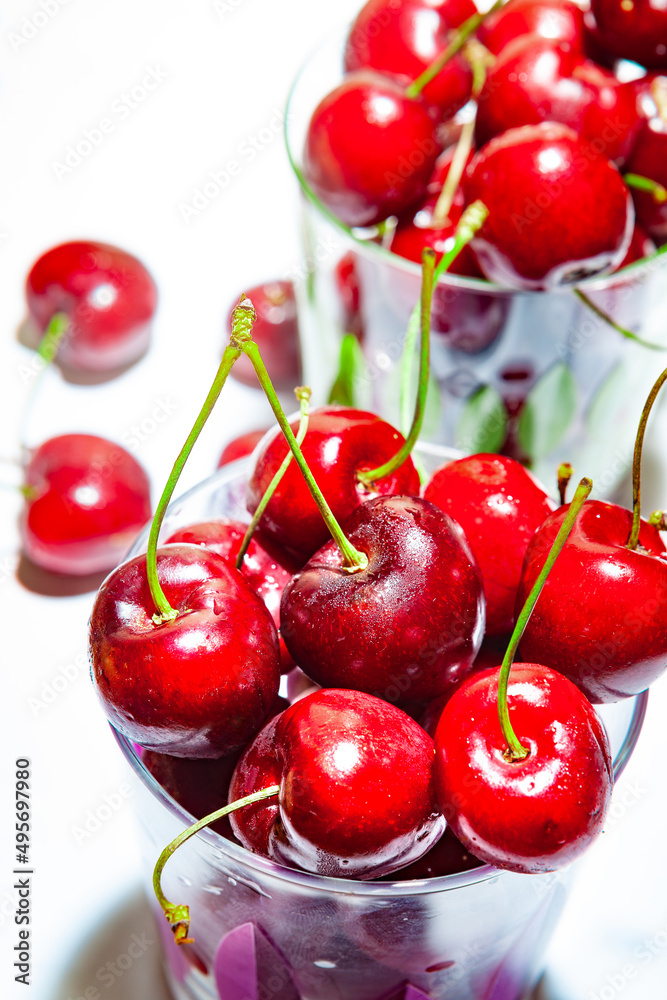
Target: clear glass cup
[537,370]
[265,932]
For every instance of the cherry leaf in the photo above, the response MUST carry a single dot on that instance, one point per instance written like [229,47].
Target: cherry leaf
[351,365]
[482,425]
[548,411]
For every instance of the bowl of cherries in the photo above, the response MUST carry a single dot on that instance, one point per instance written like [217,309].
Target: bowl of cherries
[349,788]
[546,322]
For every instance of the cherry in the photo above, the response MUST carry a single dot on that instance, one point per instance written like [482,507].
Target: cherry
[356,779]
[276,333]
[401,38]
[86,501]
[560,20]
[648,156]
[348,286]
[340,444]
[602,617]
[240,446]
[528,240]
[370,149]
[198,685]
[109,297]
[530,815]
[499,505]
[634,30]
[266,575]
[406,627]
[641,246]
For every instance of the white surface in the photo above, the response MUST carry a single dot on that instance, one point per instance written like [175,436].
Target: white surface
[223,69]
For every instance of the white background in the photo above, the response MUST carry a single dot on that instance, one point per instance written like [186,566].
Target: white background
[224,70]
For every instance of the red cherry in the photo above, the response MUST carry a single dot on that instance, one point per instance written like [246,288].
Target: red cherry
[499,506]
[356,777]
[86,501]
[641,245]
[400,38]
[559,20]
[539,813]
[370,149]
[276,333]
[557,211]
[602,616]
[348,286]
[632,29]
[109,297]
[240,446]
[200,685]
[340,442]
[648,155]
[408,626]
[447,857]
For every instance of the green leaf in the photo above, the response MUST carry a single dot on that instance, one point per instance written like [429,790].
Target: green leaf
[548,412]
[482,426]
[350,366]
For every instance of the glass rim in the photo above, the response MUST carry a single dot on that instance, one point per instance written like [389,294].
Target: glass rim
[374,251]
[266,866]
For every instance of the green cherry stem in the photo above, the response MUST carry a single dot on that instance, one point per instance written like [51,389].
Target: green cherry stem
[457,43]
[303,394]
[633,539]
[178,915]
[516,751]
[46,351]
[564,475]
[641,183]
[242,322]
[601,314]
[353,560]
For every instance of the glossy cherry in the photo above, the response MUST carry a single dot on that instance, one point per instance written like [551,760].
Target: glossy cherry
[602,616]
[408,626]
[340,443]
[634,30]
[200,685]
[356,780]
[240,446]
[539,813]
[528,240]
[648,156]
[369,149]
[276,333]
[86,501]
[559,20]
[499,505]
[109,297]
[400,38]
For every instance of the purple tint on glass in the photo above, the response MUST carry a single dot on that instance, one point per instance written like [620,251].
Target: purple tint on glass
[247,965]
[176,960]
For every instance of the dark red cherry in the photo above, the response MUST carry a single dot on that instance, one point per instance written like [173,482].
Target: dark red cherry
[356,777]
[240,446]
[557,211]
[276,333]
[559,20]
[109,297]
[499,505]
[400,38]
[602,615]
[340,442]
[86,501]
[408,626]
[648,155]
[632,29]
[536,814]
[198,686]
[370,149]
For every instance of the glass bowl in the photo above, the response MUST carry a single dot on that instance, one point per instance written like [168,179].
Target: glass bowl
[265,932]
[537,375]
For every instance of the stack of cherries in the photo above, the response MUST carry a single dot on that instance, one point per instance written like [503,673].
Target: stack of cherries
[565,149]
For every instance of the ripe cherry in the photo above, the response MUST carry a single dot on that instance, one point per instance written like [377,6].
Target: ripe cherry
[86,501]
[560,20]
[634,30]
[276,333]
[240,446]
[109,297]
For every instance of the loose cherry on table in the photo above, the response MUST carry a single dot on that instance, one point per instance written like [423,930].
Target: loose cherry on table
[499,505]
[527,240]
[86,500]
[401,38]
[108,296]
[276,333]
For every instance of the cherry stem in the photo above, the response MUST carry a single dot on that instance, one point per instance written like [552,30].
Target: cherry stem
[46,351]
[178,915]
[303,394]
[564,474]
[242,322]
[616,326]
[641,183]
[517,751]
[633,539]
[353,559]
[457,43]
